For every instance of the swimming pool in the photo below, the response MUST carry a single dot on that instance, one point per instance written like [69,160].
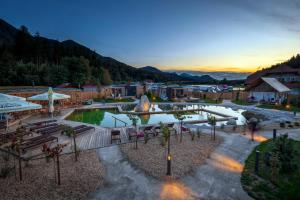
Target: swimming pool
[105,117]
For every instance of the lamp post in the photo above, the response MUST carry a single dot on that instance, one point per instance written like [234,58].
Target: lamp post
[169,158]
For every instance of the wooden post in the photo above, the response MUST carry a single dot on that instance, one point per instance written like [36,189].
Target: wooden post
[75,148]
[257,162]
[136,137]
[20,166]
[180,130]
[214,132]
[58,169]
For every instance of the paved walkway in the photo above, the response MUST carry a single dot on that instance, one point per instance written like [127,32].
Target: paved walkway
[218,178]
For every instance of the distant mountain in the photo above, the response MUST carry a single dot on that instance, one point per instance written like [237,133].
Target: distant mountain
[19,45]
[216,75]
[185,76]
[151,69]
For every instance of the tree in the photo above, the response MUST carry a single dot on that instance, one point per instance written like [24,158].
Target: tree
[212,121]
[106,79]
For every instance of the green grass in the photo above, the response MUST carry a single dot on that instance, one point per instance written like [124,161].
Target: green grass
[211,101]
[243,103]
[280,107]
[287,186]
[114,100]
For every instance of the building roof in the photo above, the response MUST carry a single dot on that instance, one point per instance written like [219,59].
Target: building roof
[277,85]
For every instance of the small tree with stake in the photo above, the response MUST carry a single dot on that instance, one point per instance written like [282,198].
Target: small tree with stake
[252,123]
[54,153]
[69,131]
[180,118]
[134,121]
[16,145]
[212,121]
[166,135]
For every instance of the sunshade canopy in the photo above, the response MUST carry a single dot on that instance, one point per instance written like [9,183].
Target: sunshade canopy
[9,98]
[45,97]
[17,105]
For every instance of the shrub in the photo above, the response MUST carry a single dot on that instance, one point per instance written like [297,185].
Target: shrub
[296,124]
[282,124]
[249,114]
[286,151]
[4,172]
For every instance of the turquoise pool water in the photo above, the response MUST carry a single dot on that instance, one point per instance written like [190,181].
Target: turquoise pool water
[105,117]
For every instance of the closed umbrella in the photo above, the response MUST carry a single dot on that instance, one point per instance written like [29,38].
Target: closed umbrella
[50,97]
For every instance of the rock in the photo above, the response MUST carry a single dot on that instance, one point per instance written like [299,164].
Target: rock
[143,105]
[231,122]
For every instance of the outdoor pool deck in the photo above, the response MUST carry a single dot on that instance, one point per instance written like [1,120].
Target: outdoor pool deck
[101,137]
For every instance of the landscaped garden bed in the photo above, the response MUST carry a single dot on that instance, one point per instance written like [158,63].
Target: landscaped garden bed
[186,155]
[278,175]
[78,179]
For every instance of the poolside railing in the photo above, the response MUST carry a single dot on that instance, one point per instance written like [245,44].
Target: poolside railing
[117,119]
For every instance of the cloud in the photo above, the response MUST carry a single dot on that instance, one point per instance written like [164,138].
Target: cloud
[282,13]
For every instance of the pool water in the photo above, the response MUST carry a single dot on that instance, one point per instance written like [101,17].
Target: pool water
[105,117]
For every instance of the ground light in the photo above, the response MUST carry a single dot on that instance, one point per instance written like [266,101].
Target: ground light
[169,158]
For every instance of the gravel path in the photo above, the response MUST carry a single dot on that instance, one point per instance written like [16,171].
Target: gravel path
[77,179]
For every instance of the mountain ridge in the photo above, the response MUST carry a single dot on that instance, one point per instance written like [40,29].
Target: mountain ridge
[37,50]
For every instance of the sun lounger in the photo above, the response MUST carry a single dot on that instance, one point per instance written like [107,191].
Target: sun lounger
[115,135]
[45,122]
[46,129]
[50,130]
[38,143]
[79,127]
[82,130]
[42,126]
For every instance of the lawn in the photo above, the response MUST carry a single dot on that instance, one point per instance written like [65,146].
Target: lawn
[114,100]
[242,103]
[280,107]
[211,101]
[286,185]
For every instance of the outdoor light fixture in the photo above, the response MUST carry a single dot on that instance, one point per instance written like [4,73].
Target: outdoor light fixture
[169,158]
[288,106]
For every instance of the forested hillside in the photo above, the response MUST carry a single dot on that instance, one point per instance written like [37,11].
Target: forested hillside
[27,59]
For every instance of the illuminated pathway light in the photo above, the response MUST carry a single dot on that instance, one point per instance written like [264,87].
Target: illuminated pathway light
[226,163]
[176,191]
